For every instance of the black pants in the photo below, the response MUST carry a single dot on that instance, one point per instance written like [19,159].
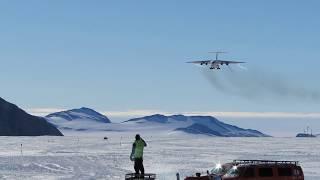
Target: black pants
[138,165]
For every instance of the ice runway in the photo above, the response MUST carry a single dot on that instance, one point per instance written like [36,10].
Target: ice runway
[91,157]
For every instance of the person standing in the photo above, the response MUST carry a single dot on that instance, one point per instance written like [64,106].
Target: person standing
[137,154]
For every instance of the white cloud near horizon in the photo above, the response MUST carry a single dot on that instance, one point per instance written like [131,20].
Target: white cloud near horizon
[140,113]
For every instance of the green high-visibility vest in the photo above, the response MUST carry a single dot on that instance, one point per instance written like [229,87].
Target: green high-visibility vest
[138,151]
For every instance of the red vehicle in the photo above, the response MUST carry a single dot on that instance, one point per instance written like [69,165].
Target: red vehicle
[215,174]
[264,170]
[258,170]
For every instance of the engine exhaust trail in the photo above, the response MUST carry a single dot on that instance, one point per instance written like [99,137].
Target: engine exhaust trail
[242,67]
[258,84]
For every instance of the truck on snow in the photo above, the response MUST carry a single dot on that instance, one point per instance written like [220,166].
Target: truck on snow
[254,170]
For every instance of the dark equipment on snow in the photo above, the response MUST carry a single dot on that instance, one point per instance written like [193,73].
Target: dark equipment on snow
[133,176]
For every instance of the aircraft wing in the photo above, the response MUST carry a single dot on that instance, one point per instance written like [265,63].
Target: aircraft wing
[228,62]
[199,62]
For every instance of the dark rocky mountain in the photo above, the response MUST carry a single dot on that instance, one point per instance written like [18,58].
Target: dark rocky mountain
[16,122]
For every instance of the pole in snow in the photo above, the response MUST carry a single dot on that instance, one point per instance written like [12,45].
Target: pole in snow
[21,150]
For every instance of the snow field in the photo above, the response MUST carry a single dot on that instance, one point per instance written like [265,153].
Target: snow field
[88,156]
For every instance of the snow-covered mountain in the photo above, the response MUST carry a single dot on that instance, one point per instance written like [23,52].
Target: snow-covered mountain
[78,119]
[85,119]
[16,122]
[194,125]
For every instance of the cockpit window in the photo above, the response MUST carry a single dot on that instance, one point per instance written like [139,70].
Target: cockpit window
[221,169]
[233,172]
[217,171]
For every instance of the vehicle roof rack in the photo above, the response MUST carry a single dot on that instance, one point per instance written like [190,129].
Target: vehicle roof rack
[257,162]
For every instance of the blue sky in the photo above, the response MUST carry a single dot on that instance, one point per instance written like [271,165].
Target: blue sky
[130,55]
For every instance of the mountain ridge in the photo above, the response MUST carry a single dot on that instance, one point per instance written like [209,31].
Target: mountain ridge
[85,119]
[207,125]
[80,113]
[80,119]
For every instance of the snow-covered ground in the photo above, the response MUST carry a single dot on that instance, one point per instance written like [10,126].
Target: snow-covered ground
[88,156]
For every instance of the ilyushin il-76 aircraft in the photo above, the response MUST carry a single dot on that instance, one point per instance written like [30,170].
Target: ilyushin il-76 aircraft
[215,64]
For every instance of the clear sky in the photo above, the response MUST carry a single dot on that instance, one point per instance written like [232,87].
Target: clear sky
[130,55]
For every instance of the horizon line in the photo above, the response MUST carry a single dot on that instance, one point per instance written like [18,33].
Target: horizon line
[148,112]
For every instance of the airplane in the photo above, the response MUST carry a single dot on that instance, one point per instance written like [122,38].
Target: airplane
[215,64]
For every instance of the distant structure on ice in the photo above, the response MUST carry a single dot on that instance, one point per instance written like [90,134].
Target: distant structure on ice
[306,133]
